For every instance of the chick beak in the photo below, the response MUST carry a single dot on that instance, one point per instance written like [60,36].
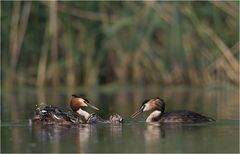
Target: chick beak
[136,113]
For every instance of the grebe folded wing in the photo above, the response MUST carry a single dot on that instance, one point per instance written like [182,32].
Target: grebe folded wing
[50,113]
[184,116]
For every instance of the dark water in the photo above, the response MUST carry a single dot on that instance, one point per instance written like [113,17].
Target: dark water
[132,136]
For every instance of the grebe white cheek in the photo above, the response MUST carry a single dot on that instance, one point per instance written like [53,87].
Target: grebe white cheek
[147,107]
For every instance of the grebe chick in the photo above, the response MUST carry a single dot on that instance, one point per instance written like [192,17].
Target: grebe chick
[49,114]
[113,119]
[157,105]
[77,102]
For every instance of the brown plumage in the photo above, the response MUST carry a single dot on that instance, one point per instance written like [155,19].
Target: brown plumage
[157,105]
[49,114]
[75,103]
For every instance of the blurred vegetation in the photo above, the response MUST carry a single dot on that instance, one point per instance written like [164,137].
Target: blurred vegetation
[97,43]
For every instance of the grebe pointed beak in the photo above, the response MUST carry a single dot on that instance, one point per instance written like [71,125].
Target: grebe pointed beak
[91,106]
[136,113]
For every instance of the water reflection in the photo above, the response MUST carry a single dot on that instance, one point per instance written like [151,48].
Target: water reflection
[153,133]
[156,131]
[116,130]
[19,106]
[78,136]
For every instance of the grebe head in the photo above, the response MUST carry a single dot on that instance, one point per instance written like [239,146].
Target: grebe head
[151,104]
[77,102]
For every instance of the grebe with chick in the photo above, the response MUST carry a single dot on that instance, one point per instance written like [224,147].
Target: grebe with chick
[49,114]
[157,105]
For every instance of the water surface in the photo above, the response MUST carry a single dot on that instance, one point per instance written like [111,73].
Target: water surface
[132,136]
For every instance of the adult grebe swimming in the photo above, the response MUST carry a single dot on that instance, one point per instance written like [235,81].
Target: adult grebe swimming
[49,114]
[157,105]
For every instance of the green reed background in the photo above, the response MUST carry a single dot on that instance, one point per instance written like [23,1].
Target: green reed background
[112,43]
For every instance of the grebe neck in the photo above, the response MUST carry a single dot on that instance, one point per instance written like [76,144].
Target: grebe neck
[154,116]
[83,113]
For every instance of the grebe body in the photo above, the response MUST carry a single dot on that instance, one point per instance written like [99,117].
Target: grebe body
[157,105]
[49,114]
[184,116]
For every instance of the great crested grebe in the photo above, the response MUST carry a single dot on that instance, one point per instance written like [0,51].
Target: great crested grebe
[49,114]
[157,105]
